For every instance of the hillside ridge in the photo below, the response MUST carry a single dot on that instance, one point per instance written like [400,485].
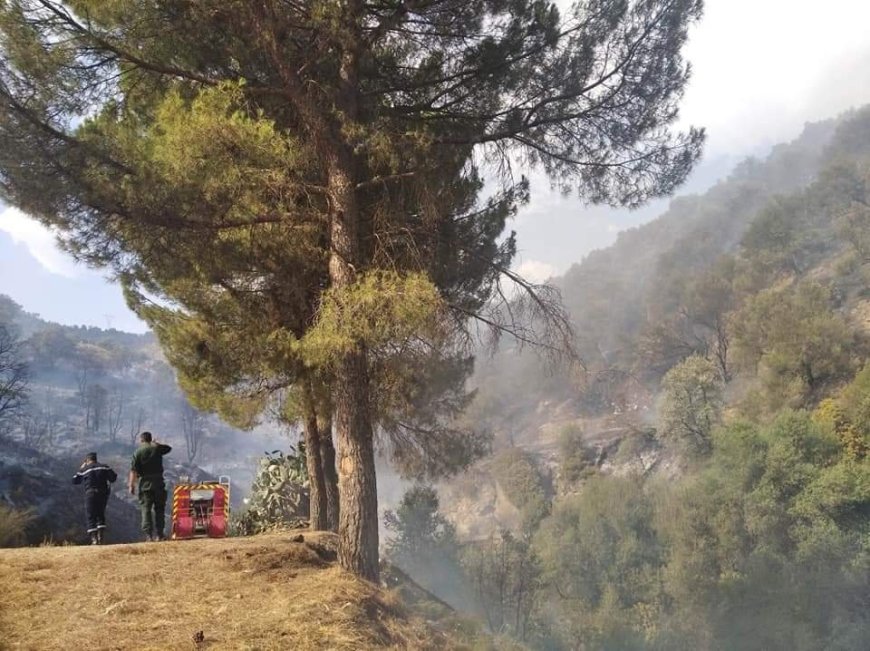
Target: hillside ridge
[271,591]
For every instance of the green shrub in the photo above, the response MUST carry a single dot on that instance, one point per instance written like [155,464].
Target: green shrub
[691,404]
[523,484]
[600,551]
[423,543]
[576,461]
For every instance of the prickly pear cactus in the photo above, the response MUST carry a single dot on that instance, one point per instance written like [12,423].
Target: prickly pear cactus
[279,494]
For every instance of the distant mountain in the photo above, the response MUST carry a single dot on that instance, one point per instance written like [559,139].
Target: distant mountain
[29,324]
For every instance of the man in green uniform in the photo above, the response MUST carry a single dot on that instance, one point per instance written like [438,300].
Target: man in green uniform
[147,467]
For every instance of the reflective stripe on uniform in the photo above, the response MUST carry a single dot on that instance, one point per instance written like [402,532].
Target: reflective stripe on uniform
[82,474]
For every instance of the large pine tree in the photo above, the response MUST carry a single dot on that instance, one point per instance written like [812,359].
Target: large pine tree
[302,177]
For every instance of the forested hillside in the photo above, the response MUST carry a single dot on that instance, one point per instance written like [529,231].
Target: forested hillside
[619,294]
[675,286]
[700,479]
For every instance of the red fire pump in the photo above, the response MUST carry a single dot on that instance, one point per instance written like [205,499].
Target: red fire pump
[200,509]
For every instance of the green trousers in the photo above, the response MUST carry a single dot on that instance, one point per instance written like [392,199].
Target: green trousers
[152,504]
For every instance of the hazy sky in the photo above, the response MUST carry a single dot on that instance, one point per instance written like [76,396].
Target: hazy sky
[762,68]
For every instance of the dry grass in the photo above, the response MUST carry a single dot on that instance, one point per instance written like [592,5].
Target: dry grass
[13,525]
[263,592]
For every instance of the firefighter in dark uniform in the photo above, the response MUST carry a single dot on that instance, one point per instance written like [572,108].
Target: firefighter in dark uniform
[147,467]
[96,477]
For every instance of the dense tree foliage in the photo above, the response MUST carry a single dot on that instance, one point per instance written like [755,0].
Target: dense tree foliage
[576,460]
[691,404]
[732,511]
[769,543]
[520,477]
[601,561]
[765,547]
[795,342]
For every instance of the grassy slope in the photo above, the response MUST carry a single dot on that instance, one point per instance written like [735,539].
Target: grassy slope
[263,592]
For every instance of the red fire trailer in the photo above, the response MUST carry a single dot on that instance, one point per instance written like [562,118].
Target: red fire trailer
[200,509]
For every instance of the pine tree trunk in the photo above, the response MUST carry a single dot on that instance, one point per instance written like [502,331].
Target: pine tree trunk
[313,461]
[330,475]
[314,464]
[357,484]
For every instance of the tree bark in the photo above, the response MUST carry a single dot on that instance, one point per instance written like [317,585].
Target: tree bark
[330,475]
[357,484]
[317,517]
